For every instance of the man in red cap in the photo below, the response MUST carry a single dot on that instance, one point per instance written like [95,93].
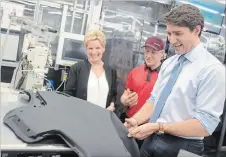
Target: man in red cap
[141,79]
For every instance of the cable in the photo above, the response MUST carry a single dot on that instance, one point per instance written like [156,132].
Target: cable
[60,85]
[20,63]
[52,84]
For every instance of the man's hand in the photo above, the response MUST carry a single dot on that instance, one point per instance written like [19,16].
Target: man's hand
[143,131]
[130,98]
[130,123]
[111,107]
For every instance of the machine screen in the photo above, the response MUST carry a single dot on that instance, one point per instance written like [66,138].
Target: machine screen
[73,50]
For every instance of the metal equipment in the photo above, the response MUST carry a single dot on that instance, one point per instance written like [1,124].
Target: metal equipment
[36,56]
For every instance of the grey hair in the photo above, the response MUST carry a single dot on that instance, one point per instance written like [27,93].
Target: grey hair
[185,15]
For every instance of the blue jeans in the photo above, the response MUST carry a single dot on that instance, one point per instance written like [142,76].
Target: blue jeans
[166,145]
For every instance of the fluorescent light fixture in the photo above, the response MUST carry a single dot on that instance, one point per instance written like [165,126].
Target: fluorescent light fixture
[222,14]
[109,17]
[42,2]
[146,22]
[201,7]
[59,13]
[107,31]
[163,1]
[28,9]
[125,23]
[78,10]
[162,34]
[51,4]
[55,12]
[111,11]
[222,1]
[145,38]
[147,32]
[66,3]
[112,25]
[208,23]
[70,4]
[123,16]
[24,2]
[78,17]
[217,26]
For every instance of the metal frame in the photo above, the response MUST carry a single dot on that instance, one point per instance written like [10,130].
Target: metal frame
[73,16]
[62,37]
[84,18]
[92,21]
[94,14]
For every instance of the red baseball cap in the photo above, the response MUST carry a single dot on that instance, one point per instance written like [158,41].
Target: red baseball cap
[154,42]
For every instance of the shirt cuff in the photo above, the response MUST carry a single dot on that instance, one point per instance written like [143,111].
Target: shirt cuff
[208,121]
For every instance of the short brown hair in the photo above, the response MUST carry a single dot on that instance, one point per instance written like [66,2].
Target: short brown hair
[95,35]
[185,15]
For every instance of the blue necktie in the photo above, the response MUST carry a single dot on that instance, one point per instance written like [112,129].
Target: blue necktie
[167,90]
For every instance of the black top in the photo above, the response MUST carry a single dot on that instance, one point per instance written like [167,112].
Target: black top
[78,80]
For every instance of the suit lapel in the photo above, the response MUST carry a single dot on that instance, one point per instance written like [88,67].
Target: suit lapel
[108,76]
[85,71]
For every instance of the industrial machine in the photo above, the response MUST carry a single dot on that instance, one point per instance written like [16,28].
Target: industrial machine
[34,65]
[36,58]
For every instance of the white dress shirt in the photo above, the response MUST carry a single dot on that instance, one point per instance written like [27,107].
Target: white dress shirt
[199,91]
[97,90]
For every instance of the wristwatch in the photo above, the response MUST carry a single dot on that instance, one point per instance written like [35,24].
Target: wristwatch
[161,129]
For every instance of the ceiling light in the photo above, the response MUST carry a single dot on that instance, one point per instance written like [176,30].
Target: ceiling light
[208,23]
[145,38]
[217,26]
[66,3]
[161,34]
[55,12]
[106,31]
[147,32]
[109,17]
[28,9]
[222,1]
[51,4]
[146,22]
[24,2]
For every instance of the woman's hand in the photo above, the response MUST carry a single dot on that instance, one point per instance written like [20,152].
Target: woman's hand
[111,107]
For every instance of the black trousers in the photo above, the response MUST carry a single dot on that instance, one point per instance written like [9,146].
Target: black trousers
[140,143]
[166,145]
